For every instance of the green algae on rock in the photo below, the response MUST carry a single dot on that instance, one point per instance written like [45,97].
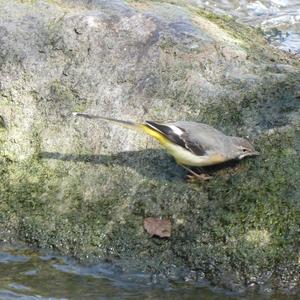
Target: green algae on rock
[85,187]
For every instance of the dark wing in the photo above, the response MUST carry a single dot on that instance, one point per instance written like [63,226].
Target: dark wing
[180,137]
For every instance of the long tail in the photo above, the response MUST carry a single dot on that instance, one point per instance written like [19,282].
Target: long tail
[147,127]
[128,124]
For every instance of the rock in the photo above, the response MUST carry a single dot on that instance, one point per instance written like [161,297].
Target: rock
[84,187]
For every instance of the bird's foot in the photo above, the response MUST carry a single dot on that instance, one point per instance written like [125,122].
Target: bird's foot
[194,176]
[198,177]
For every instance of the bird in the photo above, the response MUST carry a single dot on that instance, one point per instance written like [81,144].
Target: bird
[192,144]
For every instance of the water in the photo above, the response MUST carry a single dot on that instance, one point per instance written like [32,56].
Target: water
[28,274]
[279,19]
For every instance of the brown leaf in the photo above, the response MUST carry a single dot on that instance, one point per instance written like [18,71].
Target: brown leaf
[158,227]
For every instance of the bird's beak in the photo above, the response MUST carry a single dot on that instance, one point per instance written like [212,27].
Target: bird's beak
[254,153]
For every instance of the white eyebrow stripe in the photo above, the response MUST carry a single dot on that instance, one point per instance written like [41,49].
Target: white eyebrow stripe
[175,129]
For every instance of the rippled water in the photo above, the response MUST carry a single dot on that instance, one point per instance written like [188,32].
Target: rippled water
[279,19]
[35,274]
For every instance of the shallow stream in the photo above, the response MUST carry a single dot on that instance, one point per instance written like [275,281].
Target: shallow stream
[279,19]
[30,274]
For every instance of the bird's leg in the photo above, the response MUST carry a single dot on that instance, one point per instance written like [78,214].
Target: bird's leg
[196,176]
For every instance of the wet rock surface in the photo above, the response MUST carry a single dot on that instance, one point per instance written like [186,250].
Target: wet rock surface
[85,187]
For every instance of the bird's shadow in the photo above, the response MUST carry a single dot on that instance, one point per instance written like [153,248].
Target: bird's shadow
[151,163]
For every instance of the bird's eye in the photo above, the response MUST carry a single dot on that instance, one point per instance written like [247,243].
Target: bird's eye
[244,150]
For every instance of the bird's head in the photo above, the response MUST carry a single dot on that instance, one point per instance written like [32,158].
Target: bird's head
[243,148]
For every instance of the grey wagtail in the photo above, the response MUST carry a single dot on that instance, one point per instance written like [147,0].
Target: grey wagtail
[192,144]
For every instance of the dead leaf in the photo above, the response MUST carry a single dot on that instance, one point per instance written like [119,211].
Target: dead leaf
[158,227]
